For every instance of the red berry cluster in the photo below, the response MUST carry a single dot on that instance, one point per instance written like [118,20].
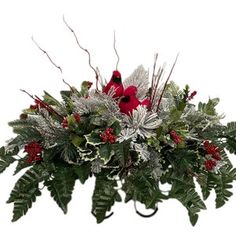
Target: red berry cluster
[175,137]
[34,151]
[214,151]
[108,136]
[210,164]
[192,95]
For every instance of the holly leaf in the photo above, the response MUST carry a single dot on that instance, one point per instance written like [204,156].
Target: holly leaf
[106,152]
[93,138]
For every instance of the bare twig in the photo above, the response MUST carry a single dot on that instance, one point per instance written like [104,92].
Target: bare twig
[167,80]
[36,98]
[158,78]
[24,91]
[50,59]
[89,56]
[154,68]
[49,108]
[114,46]
[54,64]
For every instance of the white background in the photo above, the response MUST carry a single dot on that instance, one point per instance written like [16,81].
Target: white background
[202,31]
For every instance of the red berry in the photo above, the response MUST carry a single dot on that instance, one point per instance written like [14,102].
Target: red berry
[89,84]
[175,137]
[77,117]
[65,124]
[210,164]
[108,136]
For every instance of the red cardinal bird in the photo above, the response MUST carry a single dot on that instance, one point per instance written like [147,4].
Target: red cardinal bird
[130,102]
[116,83]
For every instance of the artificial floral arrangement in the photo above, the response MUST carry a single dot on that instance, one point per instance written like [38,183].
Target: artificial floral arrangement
[130,135]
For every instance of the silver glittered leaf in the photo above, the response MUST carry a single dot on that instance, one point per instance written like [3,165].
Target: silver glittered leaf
[142,122]
[142,150]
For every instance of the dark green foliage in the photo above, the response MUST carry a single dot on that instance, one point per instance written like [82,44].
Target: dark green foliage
[69,135]
[22,164]
[223,184]
[190,199]
[24,202]
[50,100]
[209,107]
[230,136]
[105,152]
[207,183]
[104,197]
[26,190]
[31,177]
[121,152]
[7,157]
[61,185]
[139,186]
[83,171]
[183,161]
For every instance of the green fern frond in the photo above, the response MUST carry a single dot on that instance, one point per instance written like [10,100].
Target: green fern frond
[61,186]
[104,197]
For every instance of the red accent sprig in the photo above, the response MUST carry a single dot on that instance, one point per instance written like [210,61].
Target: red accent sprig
[65,123]
[175,137]
[77,117]
[192,95]
[214,152]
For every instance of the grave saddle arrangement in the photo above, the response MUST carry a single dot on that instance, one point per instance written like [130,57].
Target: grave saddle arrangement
[129,135]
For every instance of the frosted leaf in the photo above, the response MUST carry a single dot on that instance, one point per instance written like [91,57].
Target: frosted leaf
[96,166]
[141,149]
[155,164]
[50,129]
[126,134]
[94,102]
[138,78]
[143,122]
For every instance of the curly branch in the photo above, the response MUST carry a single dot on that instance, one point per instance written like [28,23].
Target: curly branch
[89,56]
[114,46]
[167,80]
[45,52]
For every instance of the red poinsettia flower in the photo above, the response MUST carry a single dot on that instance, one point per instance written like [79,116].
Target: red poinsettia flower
[116,84]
